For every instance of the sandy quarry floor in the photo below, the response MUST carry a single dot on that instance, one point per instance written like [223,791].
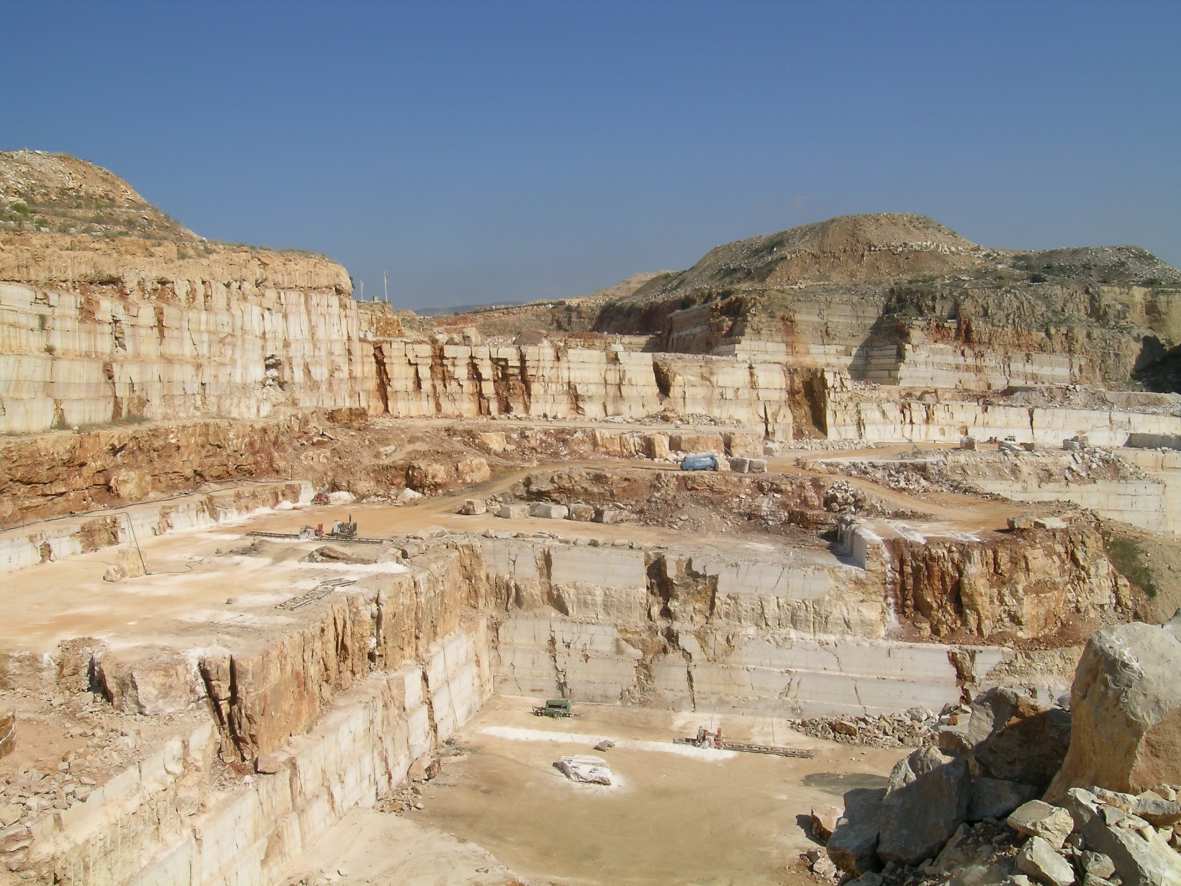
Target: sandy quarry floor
[681,815]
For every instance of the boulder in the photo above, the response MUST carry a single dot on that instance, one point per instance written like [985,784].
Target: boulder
[823,821]
[907,770]
[1039,819]
[996,798]
[1156,810]
[1126,706]
[1140,855]
[920,817]
[1082,806]
[148,680]
[1096,864]
[585,769]
[1013,738]
[473,507]
[1042,862]
[513,511]
[854,841]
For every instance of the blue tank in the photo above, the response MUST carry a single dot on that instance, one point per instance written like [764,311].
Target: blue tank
[699,463]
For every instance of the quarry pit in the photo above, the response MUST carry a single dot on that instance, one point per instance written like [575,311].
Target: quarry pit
[284,574]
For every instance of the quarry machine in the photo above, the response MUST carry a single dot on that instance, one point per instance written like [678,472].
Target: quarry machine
[555,708]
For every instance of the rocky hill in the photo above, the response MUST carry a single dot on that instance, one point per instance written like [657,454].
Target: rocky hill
[896,297]
[112,311]
[64,221]
[60,194]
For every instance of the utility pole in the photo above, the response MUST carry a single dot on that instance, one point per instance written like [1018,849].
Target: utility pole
[385,276]
[362,290]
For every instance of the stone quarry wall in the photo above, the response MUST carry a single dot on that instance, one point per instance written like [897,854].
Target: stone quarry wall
[59,539]
[553,381]
[886,414]
[55,474]
[707,632]
[165,820]
[175,348]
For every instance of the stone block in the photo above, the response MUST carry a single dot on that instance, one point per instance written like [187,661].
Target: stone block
[473,507]
[513,511]
[1050,523]
[547,511]
[656,446]
[757,466]
[740,465]
[610,515]
[582,512]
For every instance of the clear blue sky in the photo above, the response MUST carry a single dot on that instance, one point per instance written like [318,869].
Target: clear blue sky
[487,151]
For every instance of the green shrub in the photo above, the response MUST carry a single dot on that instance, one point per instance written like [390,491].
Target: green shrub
[1129,558]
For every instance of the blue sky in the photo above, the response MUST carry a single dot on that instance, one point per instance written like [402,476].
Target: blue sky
[489,151]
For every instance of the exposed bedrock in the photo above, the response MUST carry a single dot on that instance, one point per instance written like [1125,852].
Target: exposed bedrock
[1052,586]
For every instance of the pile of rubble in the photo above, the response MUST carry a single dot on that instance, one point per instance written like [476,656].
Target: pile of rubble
[966,808]
[915,727]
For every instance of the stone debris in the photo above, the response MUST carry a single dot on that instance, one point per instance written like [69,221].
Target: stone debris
[473,507]
[7,732]
[909,729]
[586,769]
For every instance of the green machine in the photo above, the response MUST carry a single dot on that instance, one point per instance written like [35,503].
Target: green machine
[554,707]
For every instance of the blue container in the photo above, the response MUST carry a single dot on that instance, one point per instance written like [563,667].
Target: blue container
[699,463]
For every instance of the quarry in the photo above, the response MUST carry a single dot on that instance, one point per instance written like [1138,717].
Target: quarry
[301,589]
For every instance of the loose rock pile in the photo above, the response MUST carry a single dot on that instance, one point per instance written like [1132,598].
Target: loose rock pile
[939,820]
[915,727]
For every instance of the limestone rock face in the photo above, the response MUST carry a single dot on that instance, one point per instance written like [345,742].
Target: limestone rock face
[1126,707]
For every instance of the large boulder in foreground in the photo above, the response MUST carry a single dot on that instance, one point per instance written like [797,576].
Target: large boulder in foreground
[919,817]
[1126,708]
